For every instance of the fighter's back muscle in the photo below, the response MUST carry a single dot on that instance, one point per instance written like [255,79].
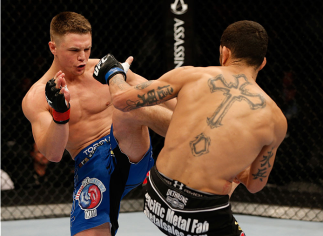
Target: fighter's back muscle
[225,120]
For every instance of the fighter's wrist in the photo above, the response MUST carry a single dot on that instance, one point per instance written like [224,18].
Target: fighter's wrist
[108,67]
[112,72]
[61,117]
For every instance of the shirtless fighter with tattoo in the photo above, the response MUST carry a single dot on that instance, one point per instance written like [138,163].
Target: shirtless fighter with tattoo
[225,130]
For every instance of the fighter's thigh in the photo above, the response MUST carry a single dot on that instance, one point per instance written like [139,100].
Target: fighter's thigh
[132,136]
[132,121]
[101,230]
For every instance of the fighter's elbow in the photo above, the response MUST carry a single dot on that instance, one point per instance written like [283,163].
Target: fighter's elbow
[254,188]
[54,158]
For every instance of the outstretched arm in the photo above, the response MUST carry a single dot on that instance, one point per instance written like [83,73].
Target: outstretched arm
[157,118]
[152,92]
[134,79]
[127,96]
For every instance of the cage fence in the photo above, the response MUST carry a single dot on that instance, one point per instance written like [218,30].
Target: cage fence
[144,29]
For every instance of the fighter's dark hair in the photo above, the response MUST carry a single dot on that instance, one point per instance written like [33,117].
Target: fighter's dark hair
[247,40]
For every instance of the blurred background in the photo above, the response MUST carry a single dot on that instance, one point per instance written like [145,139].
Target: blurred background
[150,30]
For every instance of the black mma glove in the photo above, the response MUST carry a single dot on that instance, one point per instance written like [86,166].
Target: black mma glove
[108,67]
[61,113]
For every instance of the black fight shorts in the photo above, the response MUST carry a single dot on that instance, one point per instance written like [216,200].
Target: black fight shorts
[181,211]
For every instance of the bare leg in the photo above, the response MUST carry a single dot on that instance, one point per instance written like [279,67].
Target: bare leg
[132,136]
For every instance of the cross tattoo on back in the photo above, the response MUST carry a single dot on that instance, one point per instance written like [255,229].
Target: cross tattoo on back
[255,101]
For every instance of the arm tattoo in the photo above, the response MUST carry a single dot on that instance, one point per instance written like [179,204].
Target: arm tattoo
[267,159]
[152,97]
[119,81]
[262,173]
[200,145]
[143,85]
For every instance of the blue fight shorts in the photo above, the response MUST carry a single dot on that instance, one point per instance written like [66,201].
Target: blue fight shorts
[103,176]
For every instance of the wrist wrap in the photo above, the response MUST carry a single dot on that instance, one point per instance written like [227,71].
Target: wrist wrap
[56,100]
[61,117]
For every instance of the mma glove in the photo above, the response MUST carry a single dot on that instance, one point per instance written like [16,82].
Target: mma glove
[108,67]
[56,100]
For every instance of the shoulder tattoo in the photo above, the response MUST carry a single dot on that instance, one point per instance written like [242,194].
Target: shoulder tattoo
[240,85]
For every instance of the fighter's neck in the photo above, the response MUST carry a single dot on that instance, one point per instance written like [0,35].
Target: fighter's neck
[250,72]
[240,67]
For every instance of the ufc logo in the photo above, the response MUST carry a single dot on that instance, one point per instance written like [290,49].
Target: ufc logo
[98,66]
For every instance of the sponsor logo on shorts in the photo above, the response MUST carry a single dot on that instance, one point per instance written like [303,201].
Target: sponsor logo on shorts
[91,150]
[90,196]
[174,222]
[175,199]
[178,185]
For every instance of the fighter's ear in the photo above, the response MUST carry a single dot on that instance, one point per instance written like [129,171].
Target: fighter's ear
[52,47]
[264,62]
[226,54]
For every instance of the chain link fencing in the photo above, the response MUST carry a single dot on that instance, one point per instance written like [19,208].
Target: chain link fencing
[292,77]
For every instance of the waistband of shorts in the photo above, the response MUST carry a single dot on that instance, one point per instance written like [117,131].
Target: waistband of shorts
[164,183]
[86,153]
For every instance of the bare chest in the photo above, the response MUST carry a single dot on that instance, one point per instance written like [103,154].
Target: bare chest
[91,115]
[89,100]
